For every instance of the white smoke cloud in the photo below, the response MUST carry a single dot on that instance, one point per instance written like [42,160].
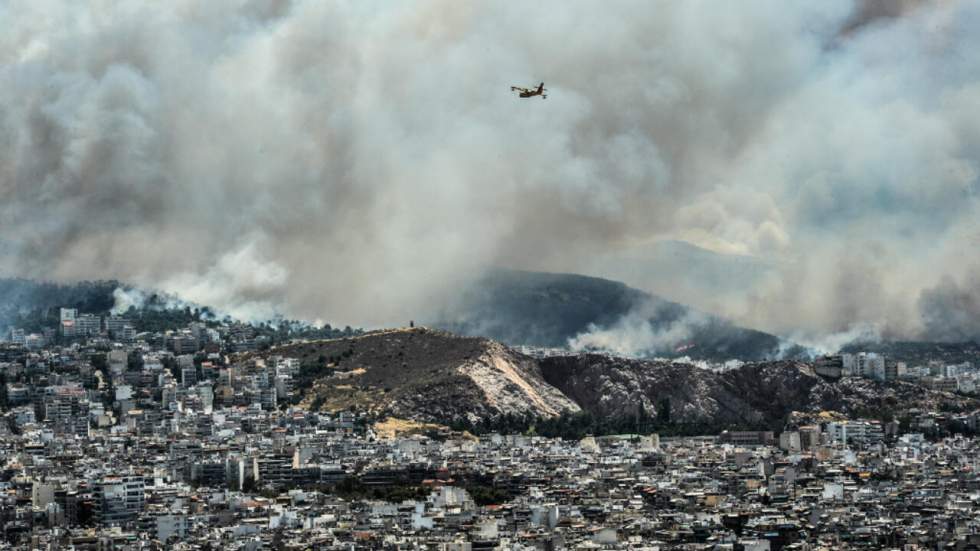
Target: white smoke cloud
[124,299]
[821,344]
[246,286]
[356,161]
[639,334]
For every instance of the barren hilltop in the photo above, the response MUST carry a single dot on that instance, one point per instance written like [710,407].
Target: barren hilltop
[433,376]
[425,375]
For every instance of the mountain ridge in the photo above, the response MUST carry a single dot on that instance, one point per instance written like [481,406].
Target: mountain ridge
[423,374]
[555,310]
[432,376]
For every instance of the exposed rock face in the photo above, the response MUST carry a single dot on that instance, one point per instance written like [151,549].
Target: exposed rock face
[512,382]
[432,376]
[762,394]
[610,386]
[428,375]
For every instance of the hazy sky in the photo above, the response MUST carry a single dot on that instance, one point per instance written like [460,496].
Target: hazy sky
[353,161]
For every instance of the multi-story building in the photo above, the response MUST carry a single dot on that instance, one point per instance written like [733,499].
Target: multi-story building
[35,341]
[67,324]
[87,325]
[864,364]
[209,473]
[17,336]
[184,344]
[188,376]
[114,325]
[846,432]
[118,360]
[941,383]
[200,332]
[273,469]
[268,399]
[18,394]
[747,438]
[118,499]
[829,366]
[790,441]
[871,366]
[810,437]
[895,371]
[66,410]
[171,527]
[128,334]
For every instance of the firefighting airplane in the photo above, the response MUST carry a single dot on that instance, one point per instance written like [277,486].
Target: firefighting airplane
[530,92]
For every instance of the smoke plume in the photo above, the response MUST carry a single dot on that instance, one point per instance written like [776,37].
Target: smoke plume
[951,311]
[639,334]
[356,162]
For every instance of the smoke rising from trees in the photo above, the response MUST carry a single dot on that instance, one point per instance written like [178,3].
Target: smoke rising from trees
[358,161]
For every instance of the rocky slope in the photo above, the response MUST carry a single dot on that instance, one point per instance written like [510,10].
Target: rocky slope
[754,395]
[426,375]
[436,377]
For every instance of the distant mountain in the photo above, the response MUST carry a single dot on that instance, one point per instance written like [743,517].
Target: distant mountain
[559,310]
[541,309]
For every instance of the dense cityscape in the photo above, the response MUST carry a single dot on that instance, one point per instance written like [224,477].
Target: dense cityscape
[443,275]
[183,440]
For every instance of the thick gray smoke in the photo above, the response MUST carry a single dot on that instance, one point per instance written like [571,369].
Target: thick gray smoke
[951,311]
[872,12]
[353,161]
